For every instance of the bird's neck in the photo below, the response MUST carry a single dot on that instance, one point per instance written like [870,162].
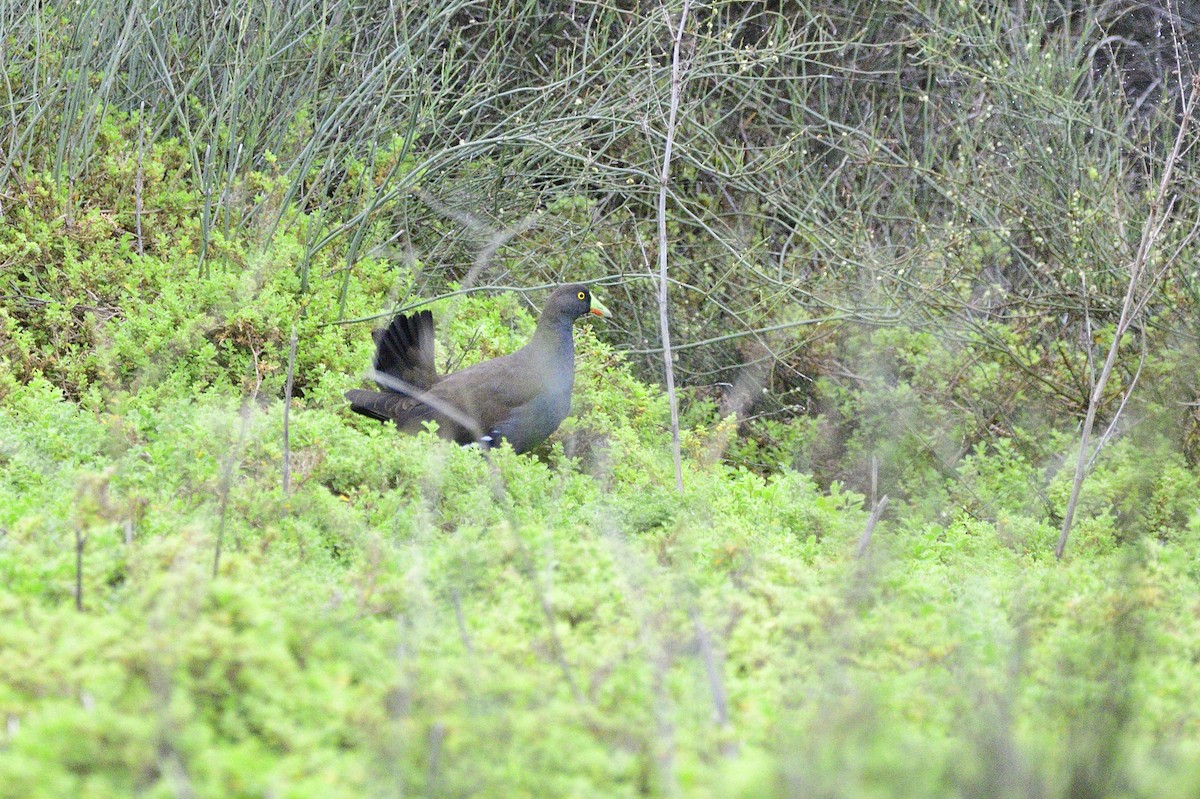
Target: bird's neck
[554,343]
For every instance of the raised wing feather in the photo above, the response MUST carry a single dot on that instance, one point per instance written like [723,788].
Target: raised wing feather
[404,351]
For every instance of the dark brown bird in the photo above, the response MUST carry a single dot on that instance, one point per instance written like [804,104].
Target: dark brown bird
[520,398]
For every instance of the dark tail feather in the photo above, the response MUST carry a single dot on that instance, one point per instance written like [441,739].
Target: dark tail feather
[388,406]
[404,350]
[365,402]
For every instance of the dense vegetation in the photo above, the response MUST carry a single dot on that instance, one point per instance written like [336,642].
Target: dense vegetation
[901,239]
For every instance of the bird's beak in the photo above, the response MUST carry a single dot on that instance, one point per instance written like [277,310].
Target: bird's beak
[598,309]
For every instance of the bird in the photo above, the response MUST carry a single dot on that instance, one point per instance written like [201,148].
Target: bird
[520,398]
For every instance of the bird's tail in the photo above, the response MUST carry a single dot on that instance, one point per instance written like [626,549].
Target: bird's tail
[388,406]
[404,350]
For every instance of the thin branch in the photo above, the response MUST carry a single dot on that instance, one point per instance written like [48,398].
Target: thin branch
[1152,228]
[287,410]
[227,469]
[755,332]
[664,180]
[139,180]
[1112,425]
[865,540]
[716,686]
[80,543]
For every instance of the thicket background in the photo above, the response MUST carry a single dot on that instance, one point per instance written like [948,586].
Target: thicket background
[903,240]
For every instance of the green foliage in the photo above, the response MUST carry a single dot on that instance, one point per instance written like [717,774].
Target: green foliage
[414,616]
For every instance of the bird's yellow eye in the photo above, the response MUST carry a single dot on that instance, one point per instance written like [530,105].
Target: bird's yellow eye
[582,295]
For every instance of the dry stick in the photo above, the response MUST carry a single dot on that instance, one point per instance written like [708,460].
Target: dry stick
[664,179]
[445,295]
[80,542]
[1111,430]
[463,633]
[139,179]
[226,484]
[757,331]
[715,685]
[287,410]
[874,479]
[1156,219]
[437,735]
[206,212]
[865,540]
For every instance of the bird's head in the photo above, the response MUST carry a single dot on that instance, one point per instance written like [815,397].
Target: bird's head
[573,301]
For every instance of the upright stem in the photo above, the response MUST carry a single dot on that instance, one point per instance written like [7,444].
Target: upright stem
[1156,219]
[664,180]
[80,543]
[287,410]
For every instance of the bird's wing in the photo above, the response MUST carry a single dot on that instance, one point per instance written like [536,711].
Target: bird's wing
[489,391]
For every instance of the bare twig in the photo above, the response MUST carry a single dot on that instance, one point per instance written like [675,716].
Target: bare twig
[493,238]
[463,633]
[227,470]
[663,182]
[757,331]
[1112,425]
[865,540]
[715,685]
[140,179]
[1156,218]
[874,480]
[287,409]
[80,543]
